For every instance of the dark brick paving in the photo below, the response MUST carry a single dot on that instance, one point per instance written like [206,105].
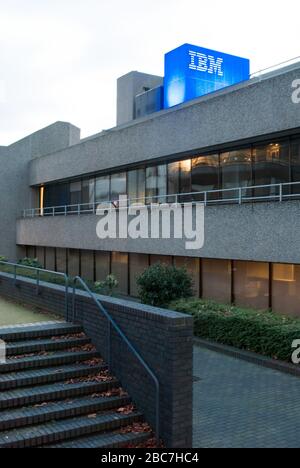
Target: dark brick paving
[242,405]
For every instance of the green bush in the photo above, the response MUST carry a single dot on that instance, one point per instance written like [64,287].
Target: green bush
[160,284]
[3,259]
[30,262]
[262,332]
[108,286]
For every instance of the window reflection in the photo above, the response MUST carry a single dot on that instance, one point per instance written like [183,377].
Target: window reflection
[156,184]
[136,186]
[102,189]
[205,174]
[118,186]
[295,164]
[271,166]
[236,171]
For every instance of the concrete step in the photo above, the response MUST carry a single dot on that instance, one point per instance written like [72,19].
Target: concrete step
[34,346]
[38,331]
[55,411]
[56,431]
[54,392]
[53,359]
[112,440]
[48,375]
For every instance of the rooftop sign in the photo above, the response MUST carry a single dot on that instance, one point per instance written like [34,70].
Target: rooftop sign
[192,71]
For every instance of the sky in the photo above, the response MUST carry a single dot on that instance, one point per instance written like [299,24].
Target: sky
[60,59]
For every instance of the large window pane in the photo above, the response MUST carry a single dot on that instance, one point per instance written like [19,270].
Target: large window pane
[87,265]
[88,193]
[295,164]
[73,262]
[118,186]
[50,259]
[136,186]
[102,265]
[56,195]
[216,280]
[251,284]
[156,184]
[205,175]
[173,179]
[119,268]
[192,265]
[138,264]
[185,176]
[271,166]
[236,171]
[61,260]
[102,189]
[75,193]
[162,183]
[286,289]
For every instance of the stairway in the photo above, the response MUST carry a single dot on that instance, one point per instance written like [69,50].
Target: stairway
[56,392]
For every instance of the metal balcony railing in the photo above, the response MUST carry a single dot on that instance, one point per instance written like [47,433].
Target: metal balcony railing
[239,195]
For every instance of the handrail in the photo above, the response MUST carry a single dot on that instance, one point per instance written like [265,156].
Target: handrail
[38,271]
[112,322]
[177,197]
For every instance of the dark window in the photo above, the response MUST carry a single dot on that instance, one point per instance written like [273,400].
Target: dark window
[236,171]
[173,179]
[57,196]
[75,193]
[271,166]
[102,189]
[295,164]
[205,174]
[88,193]
[156,184]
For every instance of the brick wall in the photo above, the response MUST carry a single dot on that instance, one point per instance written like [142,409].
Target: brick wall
[163,338]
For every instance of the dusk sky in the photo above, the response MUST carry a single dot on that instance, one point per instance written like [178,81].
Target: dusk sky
[60,58]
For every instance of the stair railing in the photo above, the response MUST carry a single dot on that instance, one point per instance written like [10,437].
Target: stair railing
[112,323]
[16,266]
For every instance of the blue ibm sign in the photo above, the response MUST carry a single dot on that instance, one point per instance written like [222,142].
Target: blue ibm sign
[192,71]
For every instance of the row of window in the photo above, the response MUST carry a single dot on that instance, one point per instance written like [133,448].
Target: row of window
[275,162]
[247,284]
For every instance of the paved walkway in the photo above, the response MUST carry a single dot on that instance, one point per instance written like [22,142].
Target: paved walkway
[242,405]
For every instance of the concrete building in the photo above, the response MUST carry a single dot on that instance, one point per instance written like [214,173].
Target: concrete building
[213,148]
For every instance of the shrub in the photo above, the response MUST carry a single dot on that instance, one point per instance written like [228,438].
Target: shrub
[3,259]
[30,262]
[160,284]
[262,332]
[108,286]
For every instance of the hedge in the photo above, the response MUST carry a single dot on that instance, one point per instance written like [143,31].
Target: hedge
[263,332]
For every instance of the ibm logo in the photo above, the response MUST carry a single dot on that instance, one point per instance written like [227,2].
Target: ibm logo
[206,63]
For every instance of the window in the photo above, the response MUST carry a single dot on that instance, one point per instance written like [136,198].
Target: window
[102,189]
[251,284]
[271,166]
[87,265]
[119,268]
[286,289]
[192,265]
[236,171]
[56,195]
[102,265]
[295,164]
[156,184]
[75,193]
[88,193]
[136,186]
[73,262]
[185,176]
[216,280]
[118,186]
[205,174]
[138,264]
[173,179]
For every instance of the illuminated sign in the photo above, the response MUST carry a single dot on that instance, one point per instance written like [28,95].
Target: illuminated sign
[192,71]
